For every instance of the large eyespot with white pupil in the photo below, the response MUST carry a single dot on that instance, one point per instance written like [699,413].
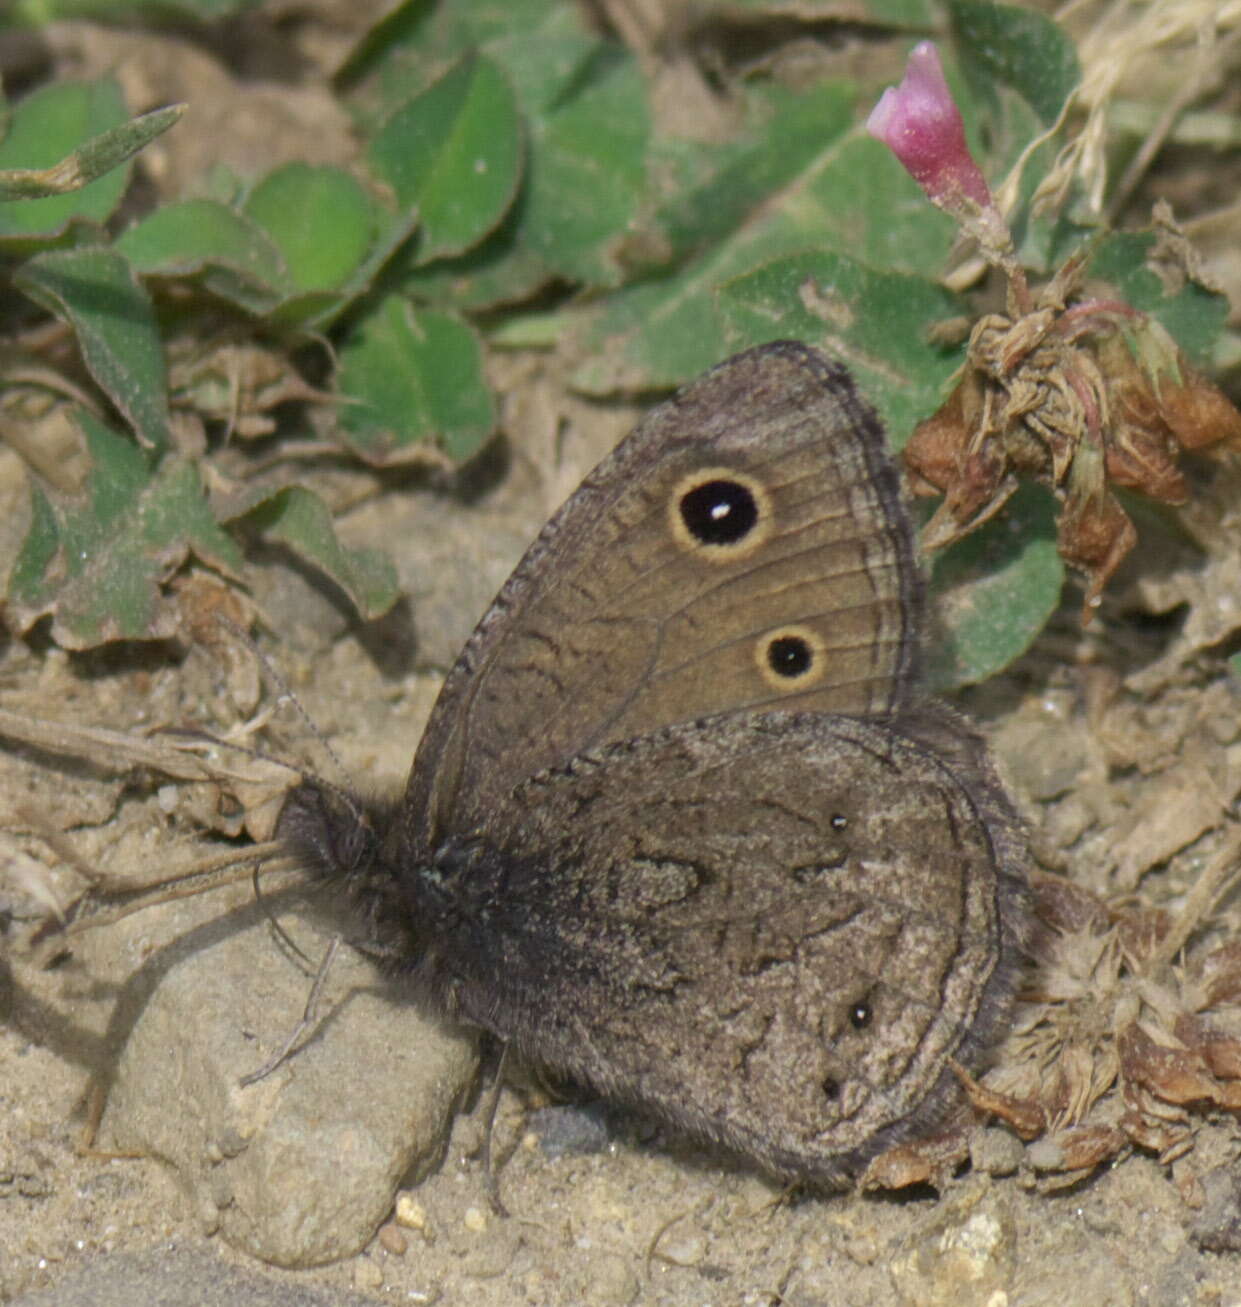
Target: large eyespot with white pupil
[791,657]
[720,514]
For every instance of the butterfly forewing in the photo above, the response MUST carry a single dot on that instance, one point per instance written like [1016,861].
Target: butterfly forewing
[744,548]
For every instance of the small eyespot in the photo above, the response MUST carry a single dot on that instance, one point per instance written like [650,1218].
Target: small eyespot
[719,511]
[719,514]
[831,1088]
[789,656]
[860,1015]
[839,821]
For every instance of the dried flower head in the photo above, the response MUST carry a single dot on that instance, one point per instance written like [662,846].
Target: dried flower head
[1083,394]
[1114,1046]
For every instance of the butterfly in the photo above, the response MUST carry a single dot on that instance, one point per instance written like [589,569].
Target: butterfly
[680,826]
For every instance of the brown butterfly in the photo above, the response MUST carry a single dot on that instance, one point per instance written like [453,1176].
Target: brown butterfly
[678,826]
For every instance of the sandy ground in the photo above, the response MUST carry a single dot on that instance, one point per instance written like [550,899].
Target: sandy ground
[1121,745]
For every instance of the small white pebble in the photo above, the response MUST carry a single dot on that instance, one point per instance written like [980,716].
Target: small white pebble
[366,1275]
[687,1250]
[475,1219]
[410,1212]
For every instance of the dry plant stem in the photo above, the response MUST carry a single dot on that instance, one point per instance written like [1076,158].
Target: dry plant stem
[1123,34]
[638,23]
[97,1100]
[310,1016]
[212,873]
[287,696]
[1195,86]
[64,850]
[1210,884]
[652,1249]
[113,750]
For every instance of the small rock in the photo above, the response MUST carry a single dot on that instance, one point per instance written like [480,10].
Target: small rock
[959,1262]
[682,1247]
[1067,821]
[567,1131]
[995,1151]
[1217,1226]
[1043,754]
[410,1212]
[603,1280]
[392,1239]
[1045,1154]
[29,1175]
[302,1165]
[366,1275]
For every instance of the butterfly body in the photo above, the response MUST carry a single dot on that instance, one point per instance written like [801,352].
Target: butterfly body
[677,827]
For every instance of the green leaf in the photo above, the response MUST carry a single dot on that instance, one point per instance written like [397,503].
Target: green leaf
[501,269]
[45,127]
[321,220]
[299,519]
[417,41]
[411,377]
[96,292]
[231,255]
[879,323]
[317,310]
[588,170]
[547,57]
[96,561]
[709,190]
[994,591]
[917,14]
[1192,314]
[542,60]
[659,333]
[453,153]
[1017,48]
[97,156]
[26,584]
[328,233]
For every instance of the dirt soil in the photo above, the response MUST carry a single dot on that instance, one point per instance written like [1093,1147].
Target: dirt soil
[1122,746]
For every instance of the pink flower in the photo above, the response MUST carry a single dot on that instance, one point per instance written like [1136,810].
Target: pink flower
[920,123]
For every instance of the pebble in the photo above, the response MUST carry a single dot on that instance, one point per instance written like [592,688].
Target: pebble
[410,1212]
[392,1240]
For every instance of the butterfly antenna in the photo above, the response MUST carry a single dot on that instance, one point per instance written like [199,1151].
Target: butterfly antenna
[286,695]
